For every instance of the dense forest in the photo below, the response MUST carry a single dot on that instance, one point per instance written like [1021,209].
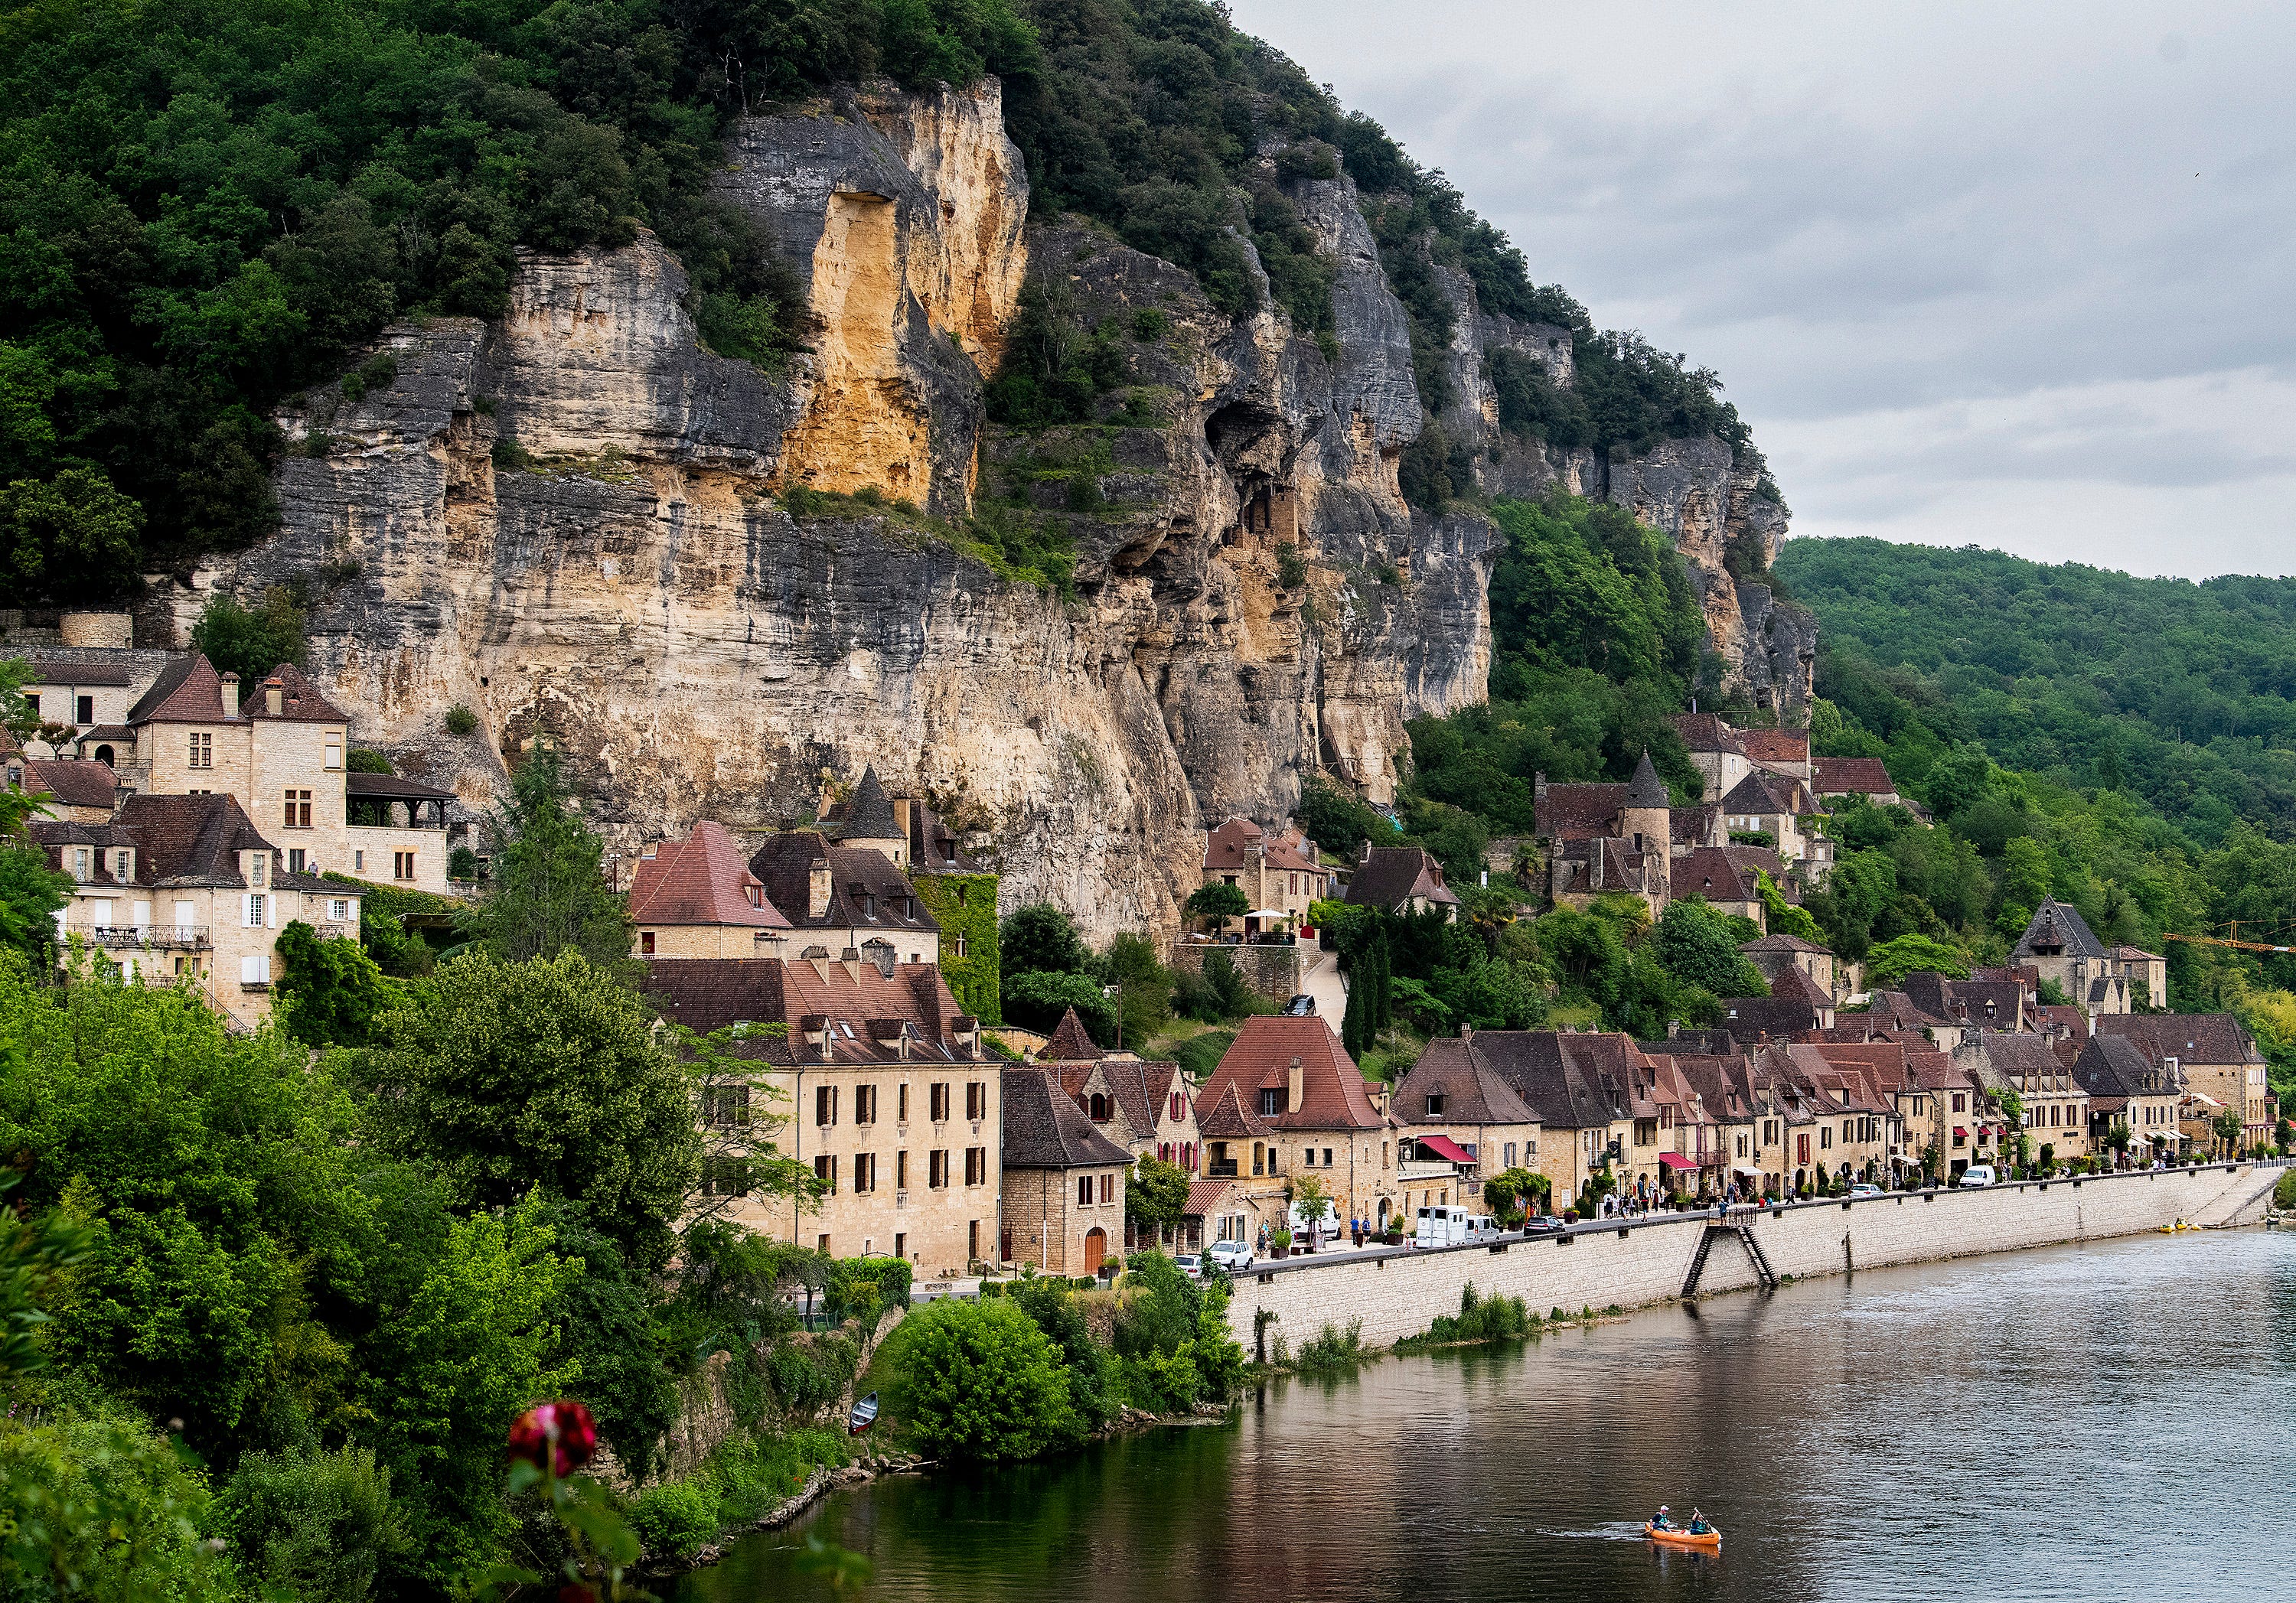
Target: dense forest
[210,204]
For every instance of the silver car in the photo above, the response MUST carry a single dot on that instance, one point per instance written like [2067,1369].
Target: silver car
[1231,1254]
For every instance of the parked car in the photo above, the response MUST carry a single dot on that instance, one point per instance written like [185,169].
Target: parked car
[1231,1254]
[1542,1225]
[1976,1174]
[1865,1188]
[1302,1006]
[1189,1264]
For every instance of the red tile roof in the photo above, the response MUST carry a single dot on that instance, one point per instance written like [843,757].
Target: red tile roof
[1225,847]
[1331,1088]
[1703,732]
[1842,776]
[1577,811]
[854,1000]
[1708,871]
[79,783]
[1069,1043]
[1775,745]
[702,879]
[1204,1196]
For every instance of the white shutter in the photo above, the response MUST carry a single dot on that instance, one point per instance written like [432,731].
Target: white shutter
[142,915]
[186,915]
[248,967]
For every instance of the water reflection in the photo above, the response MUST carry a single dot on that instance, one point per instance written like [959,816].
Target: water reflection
[2109,1421]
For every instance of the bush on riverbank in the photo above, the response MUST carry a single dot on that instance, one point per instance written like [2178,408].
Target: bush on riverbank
[2284,1195]
[752,1474]
[1480,1319]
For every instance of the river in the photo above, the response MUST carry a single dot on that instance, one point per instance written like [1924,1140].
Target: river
[2109,1421]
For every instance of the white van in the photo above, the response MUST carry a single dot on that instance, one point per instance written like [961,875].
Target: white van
[1443,1226]
[1976,1175]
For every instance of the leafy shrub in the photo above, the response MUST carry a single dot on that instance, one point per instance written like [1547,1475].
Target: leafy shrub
[678,1518]
[1480,1319]
[1333,1348]
[251,641]
[314,1526]
[982,1383]
[461,722]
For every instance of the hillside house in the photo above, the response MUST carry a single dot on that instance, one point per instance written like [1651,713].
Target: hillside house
[1063,1184]
[1277,872]
[846,901]
[1288,1103]
[696,898]
[2059,945]
[2216,1057]
[1835,777]
[2126,1088]
[1402,880]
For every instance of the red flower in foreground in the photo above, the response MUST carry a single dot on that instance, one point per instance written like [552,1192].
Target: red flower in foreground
[558,1436]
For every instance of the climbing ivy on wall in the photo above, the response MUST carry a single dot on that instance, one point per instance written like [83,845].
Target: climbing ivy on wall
[964,906]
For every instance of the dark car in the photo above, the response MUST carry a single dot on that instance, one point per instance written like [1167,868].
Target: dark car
[1302,1006]
[1542,1225]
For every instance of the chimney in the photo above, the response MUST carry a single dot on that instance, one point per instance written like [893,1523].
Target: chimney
[1297,1090]
[1466,1032]
[275,696]
[1537,788]
[231,695]
[1366,850]
[817,890]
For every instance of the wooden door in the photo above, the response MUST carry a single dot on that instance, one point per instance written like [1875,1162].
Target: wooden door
[1095,1249]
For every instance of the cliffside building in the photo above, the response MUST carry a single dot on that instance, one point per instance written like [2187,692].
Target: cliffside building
[846,901]
[1286,1101]
[1277,871]
[1401,878]
[1063,1182]
[696,898]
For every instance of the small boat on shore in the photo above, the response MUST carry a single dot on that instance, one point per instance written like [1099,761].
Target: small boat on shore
[864,1415]
[1676,1536]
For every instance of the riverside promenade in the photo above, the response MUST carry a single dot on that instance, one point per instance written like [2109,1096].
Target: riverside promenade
[1627,1263]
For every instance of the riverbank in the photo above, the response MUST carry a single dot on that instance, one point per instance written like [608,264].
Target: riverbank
[1399,1292]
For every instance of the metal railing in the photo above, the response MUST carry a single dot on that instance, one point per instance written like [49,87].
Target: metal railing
[147,936]
[1220,1171]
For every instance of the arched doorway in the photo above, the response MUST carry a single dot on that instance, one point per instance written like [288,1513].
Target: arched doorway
[103,755]
[1383,1216]
[1095,1249]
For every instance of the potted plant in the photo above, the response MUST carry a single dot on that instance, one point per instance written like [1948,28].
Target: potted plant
[1279,1242]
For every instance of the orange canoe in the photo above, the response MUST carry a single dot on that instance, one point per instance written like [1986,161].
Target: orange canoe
[1676,1536]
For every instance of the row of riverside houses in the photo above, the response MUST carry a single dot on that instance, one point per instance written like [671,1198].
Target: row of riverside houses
[195,823]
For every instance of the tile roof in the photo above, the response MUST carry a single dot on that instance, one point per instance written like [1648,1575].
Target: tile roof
[869,815]
[1389,875]
[2114,1066]
[75,783]
[1703,732]
[1473,1092]
[1750,1019]
[1783,943]
[391,787]
[1847,776]
[861,1007]
[49,671]
[2188,1037]
[1698,825]
[190,840]
[1570,1081]
[1069,1042]
[300,701]
[1760,792]
[784,864]
[1791,985]
[2024,1056]
[2055,927]
[1708,871]
[1226,847]
[1577,811]
[1224,1115]
[1775,745]
[189,690]
[701,879]
[1331,1088]
[1045,1129]
[1205,1197]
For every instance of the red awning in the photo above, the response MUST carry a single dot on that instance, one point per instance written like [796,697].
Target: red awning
[1675,1160]
[1443,1146]
[1959,1134]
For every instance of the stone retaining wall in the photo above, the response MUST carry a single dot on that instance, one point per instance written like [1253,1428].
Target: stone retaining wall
[1273,971]
[1397,1292]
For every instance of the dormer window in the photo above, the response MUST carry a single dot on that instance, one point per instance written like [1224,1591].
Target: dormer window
[123,866]
[1435,1105]
[757,896]
[255,870]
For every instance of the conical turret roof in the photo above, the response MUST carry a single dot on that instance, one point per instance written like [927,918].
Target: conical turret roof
[869,816]
[1647,789]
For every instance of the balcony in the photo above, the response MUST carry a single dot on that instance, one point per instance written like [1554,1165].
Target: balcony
[146,937]
[1220,1171]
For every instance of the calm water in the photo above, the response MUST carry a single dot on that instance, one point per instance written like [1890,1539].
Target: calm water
[2105,1422]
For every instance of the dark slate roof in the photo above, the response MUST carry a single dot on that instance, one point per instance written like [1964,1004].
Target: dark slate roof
[1783,943]
[1778,1017]
[1570,1082]
[48,671]
[190,840]
[2114,1066]
[1647,789]
[1577,811]
[2025,1056]
[785,865]
[2055,926]
[1473,1092]
[173,680]
[1391,876]
[857,1001]
[1760,792]
[869,815]
[1708,871]
[75,784]
[1069,1042]
[1693,825]
[1045,1129]
[1791,984]
[389,786]
[2187,1038]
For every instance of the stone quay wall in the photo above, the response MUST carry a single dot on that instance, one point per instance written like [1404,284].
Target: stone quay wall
[1397,1292]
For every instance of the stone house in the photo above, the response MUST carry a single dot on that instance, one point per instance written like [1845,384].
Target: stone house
[1579,1088]
[2126,1087]
[1401,878]
[1774,954]
[1974,1005]
[2056,1105]
[1277,872]
[2059,945]
[90,692]
[696,898]
[846,901]
[2216,1056]
[1833,777]
[1296,1102]
[1782,752]
[1603,839]
[2148,975]
[1726,1095]
[1764,804]
[1148,1108]
[186,885]
[1725,877]
[1063,1179]
[875,1081]
[1715,751]
[80,790]
[1453,1092]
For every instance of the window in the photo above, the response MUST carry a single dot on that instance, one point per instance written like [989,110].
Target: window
[334,752]
[725,1177]
[976,1099]
[959,946]
[646,942]
[902,1103]
[298,814]
[402,865]
[1327,1157]
[900,1244]
[297,860]
[824,1170]
[937,1167]
[865,1104]
[1271,1100]
[1098,1108]
[1961,1101]
[79,864]
[1435,1105]
[1107,1188]
[1084,1190]
[358,863]
[255,913]
[1178,1112]
[1741,1145]
[824,1104]
[725,1105]
[1917,1108]
[900,1170]
[937,1100]
[864,1171]
[976,1165]
[203,749]
[85,710]
[337,909]
[32,704]
[255,867]
[123,866]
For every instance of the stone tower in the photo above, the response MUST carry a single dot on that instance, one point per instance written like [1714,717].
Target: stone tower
[1645,820]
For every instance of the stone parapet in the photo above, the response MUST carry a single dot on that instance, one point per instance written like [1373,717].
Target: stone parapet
[1275,972]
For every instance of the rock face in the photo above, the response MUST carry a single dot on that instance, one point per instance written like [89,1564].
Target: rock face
[569,520]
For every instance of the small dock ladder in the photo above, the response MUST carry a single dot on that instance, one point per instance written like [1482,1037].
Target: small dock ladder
[1744,1232]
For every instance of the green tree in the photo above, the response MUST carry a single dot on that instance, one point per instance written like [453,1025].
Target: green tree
[1156,1195]
[328,992]
[1337,820]
[1040,938]
[1035,1000]
[251,642]
[1218,902]
[981,1383]
[2226,1128]
[1144,986]
[73,538]
[545,892]
[504,1077]
[31,894]
[1891,962]
[1783,916]
[1699,946]
[311,1524]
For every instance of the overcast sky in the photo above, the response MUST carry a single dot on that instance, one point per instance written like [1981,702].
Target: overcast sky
[2015,275]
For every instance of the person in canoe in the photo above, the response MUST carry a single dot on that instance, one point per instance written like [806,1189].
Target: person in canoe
[1698,1526]
[1659,1522]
